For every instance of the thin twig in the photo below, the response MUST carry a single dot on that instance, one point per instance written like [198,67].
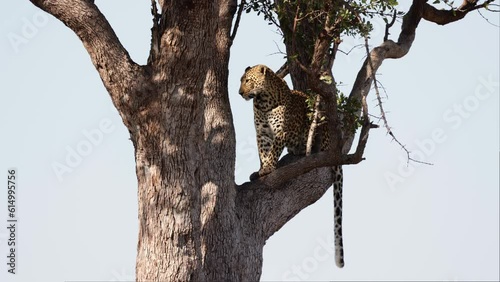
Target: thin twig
[279,52]
[488,21]
[352,49]
[382,111]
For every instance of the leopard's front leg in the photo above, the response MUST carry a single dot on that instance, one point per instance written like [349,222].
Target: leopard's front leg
[270,140]
[269,156]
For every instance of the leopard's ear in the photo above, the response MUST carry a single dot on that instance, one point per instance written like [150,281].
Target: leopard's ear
[263,69]
[247,68]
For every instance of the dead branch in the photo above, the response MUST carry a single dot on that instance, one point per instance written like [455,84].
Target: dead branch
[314,125]
[381,107]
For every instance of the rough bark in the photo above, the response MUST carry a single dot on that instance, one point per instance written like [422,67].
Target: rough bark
[185,215]
[195,224]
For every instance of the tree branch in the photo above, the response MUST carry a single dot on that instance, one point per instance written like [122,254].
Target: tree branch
[443,17]
[283,71]
[257,202]
[120,75]
[277,197]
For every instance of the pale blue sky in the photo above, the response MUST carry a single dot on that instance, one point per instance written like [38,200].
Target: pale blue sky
[401,222]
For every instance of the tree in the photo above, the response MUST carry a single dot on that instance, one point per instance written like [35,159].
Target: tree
[195,223]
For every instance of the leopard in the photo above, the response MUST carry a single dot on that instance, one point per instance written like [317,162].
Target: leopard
[281,121]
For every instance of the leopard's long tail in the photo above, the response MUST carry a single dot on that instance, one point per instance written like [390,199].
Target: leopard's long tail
[337,215]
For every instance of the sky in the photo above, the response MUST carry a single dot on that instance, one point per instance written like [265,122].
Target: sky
[402,221]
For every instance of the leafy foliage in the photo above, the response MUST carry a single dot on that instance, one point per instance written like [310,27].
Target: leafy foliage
[349,17]
[346,107]
[349,108]
[265,7]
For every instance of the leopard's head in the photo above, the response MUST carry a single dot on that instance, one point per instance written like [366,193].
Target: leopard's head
[253,81]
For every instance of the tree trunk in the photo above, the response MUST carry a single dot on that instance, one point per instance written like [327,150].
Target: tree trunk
[185,153]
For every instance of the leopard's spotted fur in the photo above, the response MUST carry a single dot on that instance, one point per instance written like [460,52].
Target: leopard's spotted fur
[280,117]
